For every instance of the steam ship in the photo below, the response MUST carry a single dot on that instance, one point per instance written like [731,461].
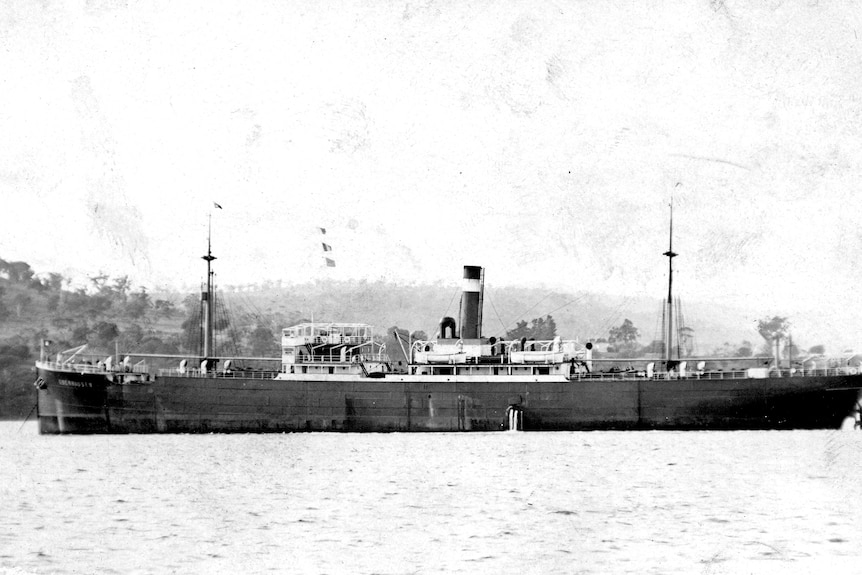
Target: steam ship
[336,377]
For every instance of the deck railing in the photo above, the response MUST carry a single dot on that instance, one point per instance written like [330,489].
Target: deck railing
[336,358]
[85,367]
[708,375]
[218,373]
[352,340]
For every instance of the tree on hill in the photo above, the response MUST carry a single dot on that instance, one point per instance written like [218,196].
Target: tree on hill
[80,333]
[103,335]
[137,304]
[790,351]
[121,287]
[263,342]
[17,272]
[624,338]
[4,311]
[16,391]
[54,281]
[540,328]
[155,344]
[686,341]
[131,337]
[655,347]
[164,308]
[728,349]
[745,350]
[817,349]
[98,305]
[777,327]
[22,301]
[773,330]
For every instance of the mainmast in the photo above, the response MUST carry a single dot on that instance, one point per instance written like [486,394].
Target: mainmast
[208,299]
[669,315]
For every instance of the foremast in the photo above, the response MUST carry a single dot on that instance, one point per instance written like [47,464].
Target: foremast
[668,335]
[208,302]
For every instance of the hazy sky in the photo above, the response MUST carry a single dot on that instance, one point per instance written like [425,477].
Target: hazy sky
[540,140]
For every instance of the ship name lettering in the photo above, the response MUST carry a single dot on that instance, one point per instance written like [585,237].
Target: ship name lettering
[70,383]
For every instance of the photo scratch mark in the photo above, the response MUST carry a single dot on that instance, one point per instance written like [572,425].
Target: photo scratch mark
[111,214]
[718,160]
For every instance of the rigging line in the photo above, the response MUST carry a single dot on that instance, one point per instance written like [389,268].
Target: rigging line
[215,322]
[457,291]
[615,317]
[579,298]
[620,311]
[218,312]
[200,319]
[615,313]
[693,344]
[220,320]
[186,338]
[256,311]
[659,321]
[28,416]
[532,308]
[540,301]
[250,308]
[233,334]
[502,325]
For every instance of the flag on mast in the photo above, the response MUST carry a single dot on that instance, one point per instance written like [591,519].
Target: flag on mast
[330,263]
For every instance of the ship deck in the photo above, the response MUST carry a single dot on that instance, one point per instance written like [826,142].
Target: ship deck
[461,371]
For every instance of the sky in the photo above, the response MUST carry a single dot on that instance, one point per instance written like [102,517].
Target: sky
[541,140]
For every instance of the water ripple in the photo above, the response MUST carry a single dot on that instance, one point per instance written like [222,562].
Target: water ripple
[438,503]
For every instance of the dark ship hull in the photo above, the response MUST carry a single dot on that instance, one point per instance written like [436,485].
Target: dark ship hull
[75,402]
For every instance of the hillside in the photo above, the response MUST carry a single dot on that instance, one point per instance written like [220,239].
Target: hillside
[419,307]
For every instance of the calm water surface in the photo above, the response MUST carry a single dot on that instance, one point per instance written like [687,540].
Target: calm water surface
[636,502]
